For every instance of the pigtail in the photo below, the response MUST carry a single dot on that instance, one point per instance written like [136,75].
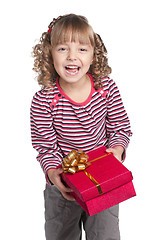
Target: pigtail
[100,67]
[43,62]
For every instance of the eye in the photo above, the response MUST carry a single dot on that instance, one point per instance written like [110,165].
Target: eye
[62,49]
[83,50]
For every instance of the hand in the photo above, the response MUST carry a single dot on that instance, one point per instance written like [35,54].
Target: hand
[117,152]
[54,176]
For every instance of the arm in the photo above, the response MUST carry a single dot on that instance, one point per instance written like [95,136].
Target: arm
[118,124]
[44,141]
[43,134]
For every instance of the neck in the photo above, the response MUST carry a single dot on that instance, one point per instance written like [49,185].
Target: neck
[78,91]
[76,86]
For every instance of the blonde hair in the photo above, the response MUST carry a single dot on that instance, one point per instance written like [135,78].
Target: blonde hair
[60,30]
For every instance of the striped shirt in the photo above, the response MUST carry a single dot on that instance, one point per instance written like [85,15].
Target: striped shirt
[58,124]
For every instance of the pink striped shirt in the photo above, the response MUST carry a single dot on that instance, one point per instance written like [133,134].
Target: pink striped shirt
[59,124]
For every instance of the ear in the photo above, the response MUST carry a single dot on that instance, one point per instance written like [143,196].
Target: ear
[93,59]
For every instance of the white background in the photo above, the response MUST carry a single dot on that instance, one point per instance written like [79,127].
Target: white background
[133,34]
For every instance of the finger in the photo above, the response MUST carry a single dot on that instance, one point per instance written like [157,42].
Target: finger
[68,196]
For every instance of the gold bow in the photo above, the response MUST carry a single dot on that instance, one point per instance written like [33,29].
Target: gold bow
[75,161]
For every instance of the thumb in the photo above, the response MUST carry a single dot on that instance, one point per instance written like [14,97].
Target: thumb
[59,170]
[110,150]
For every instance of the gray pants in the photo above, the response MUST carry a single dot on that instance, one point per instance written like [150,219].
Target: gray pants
[64,219]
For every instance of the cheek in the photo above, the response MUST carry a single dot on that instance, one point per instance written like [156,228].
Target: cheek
[57,67]
[56,63]
[89,60]
[56,59]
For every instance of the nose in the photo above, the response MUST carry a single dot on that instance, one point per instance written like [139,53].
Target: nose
[71,55]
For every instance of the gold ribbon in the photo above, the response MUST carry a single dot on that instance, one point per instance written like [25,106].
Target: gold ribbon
[76,161]
[94,181]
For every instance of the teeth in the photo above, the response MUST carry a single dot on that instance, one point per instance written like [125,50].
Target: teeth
[72,67]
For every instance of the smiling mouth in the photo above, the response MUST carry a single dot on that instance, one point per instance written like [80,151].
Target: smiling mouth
[72,70]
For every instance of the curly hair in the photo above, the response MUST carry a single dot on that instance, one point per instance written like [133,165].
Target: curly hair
[59,32]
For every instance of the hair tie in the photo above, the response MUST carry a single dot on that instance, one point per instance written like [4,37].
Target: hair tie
[49,30]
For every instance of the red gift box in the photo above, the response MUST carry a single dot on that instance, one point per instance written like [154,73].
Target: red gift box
[112,182]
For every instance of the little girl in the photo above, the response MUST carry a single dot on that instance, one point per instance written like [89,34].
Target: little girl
[79,107]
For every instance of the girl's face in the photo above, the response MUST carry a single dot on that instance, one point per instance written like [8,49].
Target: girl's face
[72,61]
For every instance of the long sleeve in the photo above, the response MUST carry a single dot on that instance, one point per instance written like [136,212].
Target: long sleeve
[118,124]
[43,133]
